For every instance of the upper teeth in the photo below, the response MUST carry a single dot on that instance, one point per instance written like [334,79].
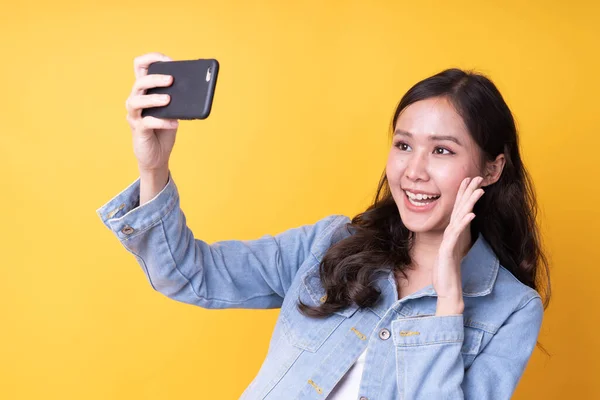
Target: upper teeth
[420,196]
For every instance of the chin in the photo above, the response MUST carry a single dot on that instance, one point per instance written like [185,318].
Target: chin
[426,223]
[416,226]
[432,218]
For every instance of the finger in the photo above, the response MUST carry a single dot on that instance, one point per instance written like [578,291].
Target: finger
[464,223]
[135,104]
[475,196]
[474,184]
[462,207]
[473,187]
[158,123]
[141,63]
[462,188]
[150,81]
[461,191]
[470,203]
[452,234]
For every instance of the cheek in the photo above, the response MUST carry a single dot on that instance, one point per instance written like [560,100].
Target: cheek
[394,169]
[449,178]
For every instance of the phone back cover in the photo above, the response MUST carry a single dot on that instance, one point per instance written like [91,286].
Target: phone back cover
[191,93]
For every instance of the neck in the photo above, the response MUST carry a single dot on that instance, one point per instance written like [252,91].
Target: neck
[425,248]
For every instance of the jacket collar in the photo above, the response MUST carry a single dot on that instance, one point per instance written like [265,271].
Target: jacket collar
[479,270]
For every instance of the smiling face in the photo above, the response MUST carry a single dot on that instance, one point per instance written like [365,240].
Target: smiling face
[432,152]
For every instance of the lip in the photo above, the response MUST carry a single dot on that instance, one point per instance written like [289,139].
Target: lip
[418,209]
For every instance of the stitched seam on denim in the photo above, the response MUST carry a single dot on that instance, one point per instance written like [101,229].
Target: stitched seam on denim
[374,311]
[175,263]
[172,202]
[118,196]
[323,235]
[139,257]
[190,282]
[243,300]
[272,384]
[385,366]
[316,297]
[527,302]
[514,278]
[481,326]
[300,342]
[489,283]
[306,277]
[139,232]
[318,241]
[333,352]
[377,308]
[144,266]
[288,333]
[510,274]
[278,266]
[257,295]
[429,343]
[404,312]
[432,316]
[478,339]
[278,271]
[401,369]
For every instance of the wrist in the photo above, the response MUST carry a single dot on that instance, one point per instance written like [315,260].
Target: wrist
[153,172]
[449,307]
[152,182]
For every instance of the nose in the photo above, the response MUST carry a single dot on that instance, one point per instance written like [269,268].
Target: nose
[416,169]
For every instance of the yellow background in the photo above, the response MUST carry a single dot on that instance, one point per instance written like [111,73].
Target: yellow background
[299,130]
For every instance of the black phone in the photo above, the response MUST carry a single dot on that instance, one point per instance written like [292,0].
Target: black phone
[192,89]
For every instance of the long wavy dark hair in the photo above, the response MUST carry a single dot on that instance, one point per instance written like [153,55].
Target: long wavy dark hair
[505,215]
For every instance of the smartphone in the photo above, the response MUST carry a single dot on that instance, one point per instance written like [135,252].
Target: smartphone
[192,90]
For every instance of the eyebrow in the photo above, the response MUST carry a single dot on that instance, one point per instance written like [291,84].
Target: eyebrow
[431,137]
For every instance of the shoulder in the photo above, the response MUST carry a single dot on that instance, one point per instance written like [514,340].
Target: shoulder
[333,228]
[509,287]
[509,300]
[494,292]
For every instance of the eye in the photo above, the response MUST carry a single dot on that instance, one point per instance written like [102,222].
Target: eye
[442,151]
[402,146]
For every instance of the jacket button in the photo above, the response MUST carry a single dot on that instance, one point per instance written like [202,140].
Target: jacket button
[127,230]
[384,334]
[363,398]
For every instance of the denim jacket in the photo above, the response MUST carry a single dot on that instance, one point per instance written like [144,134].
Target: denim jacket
[411,353]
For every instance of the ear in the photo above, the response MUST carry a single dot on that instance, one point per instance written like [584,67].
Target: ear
[493,170]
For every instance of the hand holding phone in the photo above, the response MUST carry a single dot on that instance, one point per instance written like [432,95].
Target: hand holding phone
[191,92]
[153,123]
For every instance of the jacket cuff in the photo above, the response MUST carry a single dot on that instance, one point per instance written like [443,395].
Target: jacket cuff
[419,331]
[126,218]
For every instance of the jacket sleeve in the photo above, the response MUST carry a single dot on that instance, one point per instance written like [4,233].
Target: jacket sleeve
[430,364]
[226,274]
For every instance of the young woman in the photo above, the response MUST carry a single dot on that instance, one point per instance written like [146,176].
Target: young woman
[431,293]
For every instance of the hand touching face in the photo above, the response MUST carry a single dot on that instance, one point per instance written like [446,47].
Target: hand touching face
[432,153]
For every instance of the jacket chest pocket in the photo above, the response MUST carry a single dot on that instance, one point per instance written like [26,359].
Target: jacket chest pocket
[309,333]
[473,338]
